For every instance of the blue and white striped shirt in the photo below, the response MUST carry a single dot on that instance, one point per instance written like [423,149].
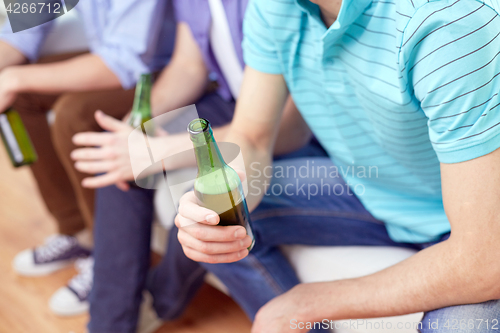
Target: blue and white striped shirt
[396,85]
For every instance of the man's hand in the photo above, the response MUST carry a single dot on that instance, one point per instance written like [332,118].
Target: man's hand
[9,83]
[108,153]
[202,240]
[283,314]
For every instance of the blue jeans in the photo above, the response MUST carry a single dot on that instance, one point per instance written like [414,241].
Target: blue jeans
[297,218]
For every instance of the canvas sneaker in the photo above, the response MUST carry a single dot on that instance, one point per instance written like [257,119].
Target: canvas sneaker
[58,252]
[148,319]
[73,299]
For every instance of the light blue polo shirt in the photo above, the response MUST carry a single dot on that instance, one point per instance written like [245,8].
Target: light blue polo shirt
[393,86]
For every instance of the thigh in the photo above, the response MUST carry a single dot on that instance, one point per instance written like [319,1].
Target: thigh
[75,111]
[256,279]
[470,318]
[309,203]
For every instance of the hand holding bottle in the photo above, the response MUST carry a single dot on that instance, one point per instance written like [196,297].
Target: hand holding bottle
[213,220]
[201,237]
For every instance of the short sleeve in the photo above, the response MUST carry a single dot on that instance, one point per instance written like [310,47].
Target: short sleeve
[259,48]
[183,10]
[28,42]
[450,58]
[128,48]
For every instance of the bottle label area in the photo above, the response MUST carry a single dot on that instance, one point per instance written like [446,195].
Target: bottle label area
[10,139]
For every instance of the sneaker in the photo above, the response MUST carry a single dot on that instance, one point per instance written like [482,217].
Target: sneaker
[148,319]
[73,299]
[58,252]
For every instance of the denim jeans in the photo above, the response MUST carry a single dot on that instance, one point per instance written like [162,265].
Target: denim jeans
[300,218]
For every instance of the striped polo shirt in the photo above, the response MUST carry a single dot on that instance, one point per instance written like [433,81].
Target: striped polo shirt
[391,89]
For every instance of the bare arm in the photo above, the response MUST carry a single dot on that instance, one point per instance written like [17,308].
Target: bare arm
[294,133]
[256,122]
[82,73]
[10,56]
[462,270]
[184,80]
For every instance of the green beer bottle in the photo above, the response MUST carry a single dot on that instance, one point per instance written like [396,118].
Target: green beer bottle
[141,113]
[217,186]
[16,139]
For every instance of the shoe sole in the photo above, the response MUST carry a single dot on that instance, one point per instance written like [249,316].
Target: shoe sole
[77,311]
[44,270]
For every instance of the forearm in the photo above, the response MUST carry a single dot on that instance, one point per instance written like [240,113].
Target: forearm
[294,133]
[10,56]
[255,128]
[443,275]
[256,159]
[181,84]
[83,73]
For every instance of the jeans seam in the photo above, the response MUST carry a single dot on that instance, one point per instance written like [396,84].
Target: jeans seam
[305,212]
[258,265]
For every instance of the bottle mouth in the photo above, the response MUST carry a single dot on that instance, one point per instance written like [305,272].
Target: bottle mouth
[199,126]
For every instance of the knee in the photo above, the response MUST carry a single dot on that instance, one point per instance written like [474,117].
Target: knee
[482,317]
[28,104]
[72,116]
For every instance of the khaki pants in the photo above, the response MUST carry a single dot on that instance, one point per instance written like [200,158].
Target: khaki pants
[58,181]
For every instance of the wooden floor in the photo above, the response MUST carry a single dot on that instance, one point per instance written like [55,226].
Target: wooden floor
[24,222]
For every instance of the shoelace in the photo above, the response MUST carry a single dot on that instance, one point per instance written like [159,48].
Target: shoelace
[54,247]
[82,283]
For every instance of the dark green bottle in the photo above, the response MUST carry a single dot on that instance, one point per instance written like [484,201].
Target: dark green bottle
[16,139]
[141,114]
[217,186]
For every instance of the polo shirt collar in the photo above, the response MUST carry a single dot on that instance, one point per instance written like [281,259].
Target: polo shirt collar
[349,11]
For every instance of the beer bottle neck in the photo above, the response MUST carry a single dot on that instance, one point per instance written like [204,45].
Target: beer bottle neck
[142,101]
[208,156]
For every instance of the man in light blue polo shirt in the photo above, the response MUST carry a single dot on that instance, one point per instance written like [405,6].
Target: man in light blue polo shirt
[404,96]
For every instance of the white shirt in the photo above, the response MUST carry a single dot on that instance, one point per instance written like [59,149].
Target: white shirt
[223,47]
